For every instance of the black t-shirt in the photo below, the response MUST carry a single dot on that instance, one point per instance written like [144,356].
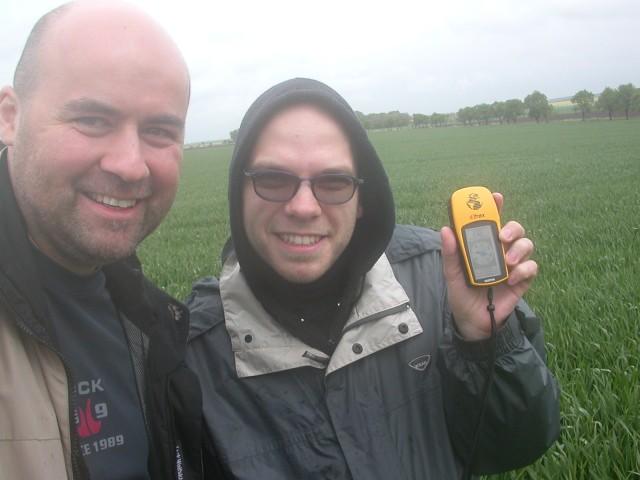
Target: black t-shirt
[106,405]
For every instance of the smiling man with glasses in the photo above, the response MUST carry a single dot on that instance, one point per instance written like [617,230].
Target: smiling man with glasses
[300,201]
[329,350]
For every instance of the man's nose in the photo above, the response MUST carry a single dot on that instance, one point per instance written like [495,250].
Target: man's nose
[126,158]
[304,204]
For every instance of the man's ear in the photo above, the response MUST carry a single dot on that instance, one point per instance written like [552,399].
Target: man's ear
[9,106]
[360,210]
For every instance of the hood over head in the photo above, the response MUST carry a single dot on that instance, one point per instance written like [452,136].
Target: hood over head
[373,229]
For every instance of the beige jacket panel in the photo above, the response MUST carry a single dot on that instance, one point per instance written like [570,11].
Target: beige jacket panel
[260,345]
[381,317]
[34,413]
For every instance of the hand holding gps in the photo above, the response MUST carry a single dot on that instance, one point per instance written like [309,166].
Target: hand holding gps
[476,223]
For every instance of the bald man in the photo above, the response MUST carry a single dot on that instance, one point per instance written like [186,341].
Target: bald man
[92,378]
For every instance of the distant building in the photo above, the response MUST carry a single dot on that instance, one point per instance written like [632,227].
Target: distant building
[214,143]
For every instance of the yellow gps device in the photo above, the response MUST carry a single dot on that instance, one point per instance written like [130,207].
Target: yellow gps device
[476,223]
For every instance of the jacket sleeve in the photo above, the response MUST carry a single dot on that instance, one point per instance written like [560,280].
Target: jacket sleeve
[522,415]
[205,313]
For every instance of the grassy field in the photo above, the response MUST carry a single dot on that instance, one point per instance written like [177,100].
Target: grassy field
[575,186]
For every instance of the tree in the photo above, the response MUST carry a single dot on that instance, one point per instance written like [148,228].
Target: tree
[584,102]
[393,119]
[627,95]
[608,101]
[475,114]
[538,106]
[234,135]
[484,113]
[499,110]
[397,119]
[438,119]
[513,109]
[419,120]
[465,115]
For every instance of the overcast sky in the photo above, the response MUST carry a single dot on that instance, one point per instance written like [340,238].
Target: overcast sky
[420,56]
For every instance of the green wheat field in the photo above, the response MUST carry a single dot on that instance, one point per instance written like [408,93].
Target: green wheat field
[575,188]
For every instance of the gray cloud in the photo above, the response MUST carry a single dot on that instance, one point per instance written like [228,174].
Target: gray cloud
[406,55]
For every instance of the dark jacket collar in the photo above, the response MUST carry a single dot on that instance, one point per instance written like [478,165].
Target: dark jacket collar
[20,280]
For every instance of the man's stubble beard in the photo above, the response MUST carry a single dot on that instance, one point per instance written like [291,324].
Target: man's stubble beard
[56,226]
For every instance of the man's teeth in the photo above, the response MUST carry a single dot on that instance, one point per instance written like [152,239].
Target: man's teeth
[113,202]
[300,239]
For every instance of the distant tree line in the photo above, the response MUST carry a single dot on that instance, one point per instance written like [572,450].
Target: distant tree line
[624,99]
[433,120]
[536,106]
[373,121]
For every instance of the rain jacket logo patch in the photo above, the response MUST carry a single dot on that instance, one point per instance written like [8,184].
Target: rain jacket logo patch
[175,312]
[421,363]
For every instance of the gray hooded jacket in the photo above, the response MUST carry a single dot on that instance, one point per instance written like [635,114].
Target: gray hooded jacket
[399,395]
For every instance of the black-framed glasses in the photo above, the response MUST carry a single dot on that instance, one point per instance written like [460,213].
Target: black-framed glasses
[279,186]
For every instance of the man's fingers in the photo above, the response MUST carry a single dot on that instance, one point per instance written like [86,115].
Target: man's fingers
[523,274]
[511,231]
[519,251]
[499,199]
